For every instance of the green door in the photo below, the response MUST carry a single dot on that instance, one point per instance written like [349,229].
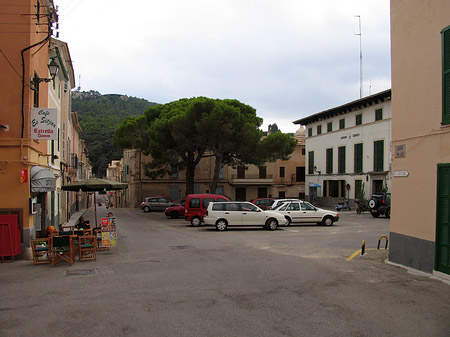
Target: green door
[443,220]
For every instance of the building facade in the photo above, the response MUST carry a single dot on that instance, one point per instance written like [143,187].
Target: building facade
[278,179]
[37,77]
[348,150]
[420,37]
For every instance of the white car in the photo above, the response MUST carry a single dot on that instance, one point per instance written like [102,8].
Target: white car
[278,202]
[236,213]
[303,212]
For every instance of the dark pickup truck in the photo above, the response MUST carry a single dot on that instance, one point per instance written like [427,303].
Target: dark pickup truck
[380,204]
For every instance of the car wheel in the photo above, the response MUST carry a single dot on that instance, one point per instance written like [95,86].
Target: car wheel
[327,221]
[221,225]
[288,221]
[271,224]
[196,221]
[146,209]
[388,213]
[373,203]
[358,211]
[174,215]
[375,214]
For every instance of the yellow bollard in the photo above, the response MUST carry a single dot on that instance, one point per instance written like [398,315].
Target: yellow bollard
[363,248]
[379,241]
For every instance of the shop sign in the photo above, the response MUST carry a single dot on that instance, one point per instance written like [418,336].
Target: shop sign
[23,176]
[401,173]
[109,232]
[44,123]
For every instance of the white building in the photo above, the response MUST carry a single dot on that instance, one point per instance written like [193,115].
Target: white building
[348,150]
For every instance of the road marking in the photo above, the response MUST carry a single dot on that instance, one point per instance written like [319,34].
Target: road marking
[351,257]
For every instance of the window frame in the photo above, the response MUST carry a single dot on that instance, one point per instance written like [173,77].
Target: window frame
[378,114]
[358,158]
[342,124]
[341,159]
[358,119]
[378,155]
[445,36]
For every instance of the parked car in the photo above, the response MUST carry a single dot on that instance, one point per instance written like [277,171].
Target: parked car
[303,212]
[175,212]
[159,203]
[239,213]
[196,205]
[263,203]
[380,204]
[278,202]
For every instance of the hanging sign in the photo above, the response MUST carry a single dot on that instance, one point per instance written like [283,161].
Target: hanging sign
[23,176]
[44,123]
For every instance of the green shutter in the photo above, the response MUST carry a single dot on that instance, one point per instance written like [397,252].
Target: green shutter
[311,162]
[341,160]
[358,158]
[446,76]
[329,161]
[378,155]
[443,219]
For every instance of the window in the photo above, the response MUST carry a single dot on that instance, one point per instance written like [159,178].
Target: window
[241,172]
[329,161]
[300,174]
[341,159]
[262,172]
[359,119]
[194,203]
[310,132]
[358,190]
[319,129]
[311,162]
[341,124]
[282,172]
[303,151]
[294,206]
[358,155]
[378,155]
[378,114]
[446,76]
[330,127]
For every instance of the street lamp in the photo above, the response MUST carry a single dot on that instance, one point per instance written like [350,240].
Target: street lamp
[53,68]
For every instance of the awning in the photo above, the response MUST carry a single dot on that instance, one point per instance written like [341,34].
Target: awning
[42,180]
[315,185]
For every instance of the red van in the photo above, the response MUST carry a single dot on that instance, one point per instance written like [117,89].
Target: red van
[196,205]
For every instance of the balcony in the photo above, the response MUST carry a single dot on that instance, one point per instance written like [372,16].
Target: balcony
[251,179]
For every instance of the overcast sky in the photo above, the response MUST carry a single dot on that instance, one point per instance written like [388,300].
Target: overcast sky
[286,58]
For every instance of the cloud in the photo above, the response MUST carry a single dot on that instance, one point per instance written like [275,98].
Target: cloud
[288,58]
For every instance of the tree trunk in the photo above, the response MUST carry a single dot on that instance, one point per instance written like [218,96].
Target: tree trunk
[215,180]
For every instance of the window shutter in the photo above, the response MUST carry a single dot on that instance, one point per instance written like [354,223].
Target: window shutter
[446,76]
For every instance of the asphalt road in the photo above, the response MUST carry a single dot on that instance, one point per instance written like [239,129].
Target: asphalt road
[166,278]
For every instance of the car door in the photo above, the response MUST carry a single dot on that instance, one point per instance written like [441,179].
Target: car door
[251,215]
[294,211]
[233,213]
[309,213]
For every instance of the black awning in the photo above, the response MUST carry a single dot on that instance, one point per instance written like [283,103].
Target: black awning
[42,180]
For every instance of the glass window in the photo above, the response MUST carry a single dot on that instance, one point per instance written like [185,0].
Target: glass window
[294,206]
[342,124]
[330,127]
[378,114]
[310,132]
[307,207]
[194,203]
[282,207]
[218,207]
[282,172]
[359,119]
[319,129]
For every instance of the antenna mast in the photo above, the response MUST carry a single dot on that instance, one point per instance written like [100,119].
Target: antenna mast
[360,59]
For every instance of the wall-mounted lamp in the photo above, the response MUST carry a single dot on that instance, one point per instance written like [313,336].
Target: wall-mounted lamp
[315,170]
[53,68]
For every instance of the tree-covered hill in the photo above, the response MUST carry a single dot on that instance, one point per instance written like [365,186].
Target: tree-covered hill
[99,115]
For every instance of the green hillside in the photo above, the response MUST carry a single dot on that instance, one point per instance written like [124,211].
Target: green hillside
[99,115]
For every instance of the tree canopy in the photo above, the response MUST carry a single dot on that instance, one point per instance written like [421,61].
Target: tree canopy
[182,132]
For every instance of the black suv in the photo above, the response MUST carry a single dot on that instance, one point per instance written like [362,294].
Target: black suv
[380,204]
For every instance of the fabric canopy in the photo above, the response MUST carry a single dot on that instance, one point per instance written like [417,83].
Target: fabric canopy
[42,180]
[94,184]
[315,185]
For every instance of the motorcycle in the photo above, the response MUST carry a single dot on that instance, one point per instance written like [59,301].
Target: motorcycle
[360,207]
[343,205]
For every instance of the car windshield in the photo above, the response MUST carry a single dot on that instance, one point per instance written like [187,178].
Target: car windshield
[277,207]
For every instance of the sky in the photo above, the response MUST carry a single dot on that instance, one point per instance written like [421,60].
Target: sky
[288,59]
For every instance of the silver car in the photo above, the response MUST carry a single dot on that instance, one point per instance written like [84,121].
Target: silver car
[159,203]
[236,213]
[303,212]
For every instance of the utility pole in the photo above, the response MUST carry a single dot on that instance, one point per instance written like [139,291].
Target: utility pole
[360,59]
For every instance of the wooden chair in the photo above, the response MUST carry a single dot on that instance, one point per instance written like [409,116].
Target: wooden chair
[42,250]
[63,249]
[98,234]
[87,247]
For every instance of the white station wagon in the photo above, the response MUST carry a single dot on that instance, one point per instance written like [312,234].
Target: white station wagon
[304,212]
[236,213]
